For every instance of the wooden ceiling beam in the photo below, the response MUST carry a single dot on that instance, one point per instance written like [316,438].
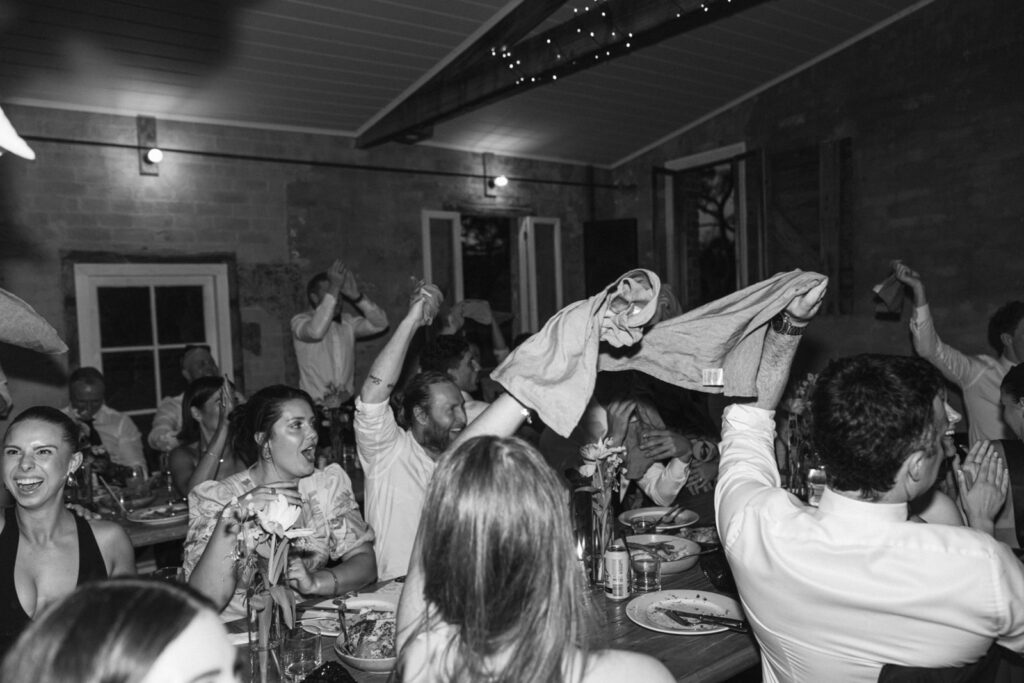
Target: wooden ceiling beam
[496,66]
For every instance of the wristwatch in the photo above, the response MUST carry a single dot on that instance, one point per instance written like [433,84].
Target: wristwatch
[783,324]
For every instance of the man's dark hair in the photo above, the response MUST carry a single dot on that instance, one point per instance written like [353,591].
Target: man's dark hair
[868,413]
[417,394]
[443,354]
[1013,383]
[87,375]
[313,284]
[1004,321]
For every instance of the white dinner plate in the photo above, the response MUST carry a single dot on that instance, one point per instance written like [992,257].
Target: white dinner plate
[641,611]
[159,515]
[677,521]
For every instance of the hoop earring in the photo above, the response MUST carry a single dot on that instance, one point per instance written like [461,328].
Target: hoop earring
[266,455]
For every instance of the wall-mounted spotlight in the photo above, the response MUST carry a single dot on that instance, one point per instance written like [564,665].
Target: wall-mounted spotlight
[149,152]
[498,181]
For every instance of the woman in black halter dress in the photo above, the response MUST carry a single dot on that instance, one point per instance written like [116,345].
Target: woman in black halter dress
[45,551]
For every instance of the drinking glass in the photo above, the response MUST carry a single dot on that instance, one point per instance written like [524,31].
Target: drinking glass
[646,571]
[300,652]
[815,484]
[136,485]
[643,525]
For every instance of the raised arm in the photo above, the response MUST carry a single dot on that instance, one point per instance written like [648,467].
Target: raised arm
[314,329]
[781,342]
[387,367]
[956,366]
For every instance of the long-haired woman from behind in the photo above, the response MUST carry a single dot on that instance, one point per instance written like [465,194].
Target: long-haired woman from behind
[495,592]
[45,551]
[125,630]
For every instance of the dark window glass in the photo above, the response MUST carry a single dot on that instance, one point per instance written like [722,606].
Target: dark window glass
[172,382]
[124,316]
[179,315]
[130,380]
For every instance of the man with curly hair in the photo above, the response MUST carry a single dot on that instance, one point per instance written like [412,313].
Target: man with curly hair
[836,592]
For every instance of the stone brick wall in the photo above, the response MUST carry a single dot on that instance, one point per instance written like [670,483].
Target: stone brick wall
[933,105]
[281,220]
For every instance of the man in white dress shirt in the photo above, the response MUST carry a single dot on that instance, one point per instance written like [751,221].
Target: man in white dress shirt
[836,592]
[399,459]
[978,376]
[325,337]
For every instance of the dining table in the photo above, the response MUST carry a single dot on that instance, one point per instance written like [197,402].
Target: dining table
[693,658]
[144,532]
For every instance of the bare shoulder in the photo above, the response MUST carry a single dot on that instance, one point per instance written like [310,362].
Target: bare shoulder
[608,666]
[115,546]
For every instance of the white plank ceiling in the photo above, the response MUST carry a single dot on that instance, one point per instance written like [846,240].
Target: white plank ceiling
[336,66]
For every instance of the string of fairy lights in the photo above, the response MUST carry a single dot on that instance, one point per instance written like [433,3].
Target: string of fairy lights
[587,19]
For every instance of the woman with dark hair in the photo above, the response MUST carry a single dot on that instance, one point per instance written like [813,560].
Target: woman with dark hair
[45,551]
[203,452]
[495,591]
[125,630]
[275,430]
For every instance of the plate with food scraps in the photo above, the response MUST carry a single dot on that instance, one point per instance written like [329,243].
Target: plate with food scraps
[676,521]
[643,611]
[676,554]
[372,633]
[705,535]
[159,515]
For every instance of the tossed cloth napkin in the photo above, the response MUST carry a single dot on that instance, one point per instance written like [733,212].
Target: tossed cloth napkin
[716,348]
[22,326]
[11,142]
[553,372]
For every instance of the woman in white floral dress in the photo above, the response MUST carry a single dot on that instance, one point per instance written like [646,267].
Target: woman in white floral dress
[276,428]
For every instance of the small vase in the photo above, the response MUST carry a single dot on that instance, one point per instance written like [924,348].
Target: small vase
[265,624]
[602,529]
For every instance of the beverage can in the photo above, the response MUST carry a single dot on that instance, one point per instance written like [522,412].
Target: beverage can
[616,572]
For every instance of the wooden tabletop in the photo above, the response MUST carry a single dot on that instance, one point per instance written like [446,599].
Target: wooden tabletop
[691,659]
[142,535]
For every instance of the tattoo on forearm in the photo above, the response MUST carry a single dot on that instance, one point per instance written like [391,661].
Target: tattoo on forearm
[376,380]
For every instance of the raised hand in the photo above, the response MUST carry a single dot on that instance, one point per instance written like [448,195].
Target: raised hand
[661,444]
[299,577]
[807,302]
[983,482]
[911,278]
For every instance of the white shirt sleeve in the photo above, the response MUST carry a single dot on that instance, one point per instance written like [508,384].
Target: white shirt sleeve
[662,482]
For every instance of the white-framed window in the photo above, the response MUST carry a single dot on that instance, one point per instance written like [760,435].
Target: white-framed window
[135,319]
[711,244]
[516,264]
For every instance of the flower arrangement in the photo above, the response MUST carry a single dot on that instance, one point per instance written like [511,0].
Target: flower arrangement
[263,554]
[601,465]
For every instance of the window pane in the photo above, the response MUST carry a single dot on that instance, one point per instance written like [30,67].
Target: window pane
[130,379]
[442,270]
[544,254]
[124,316]
[179,315]
[172,382]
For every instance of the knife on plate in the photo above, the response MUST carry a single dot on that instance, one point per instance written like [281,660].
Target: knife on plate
[684,618]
